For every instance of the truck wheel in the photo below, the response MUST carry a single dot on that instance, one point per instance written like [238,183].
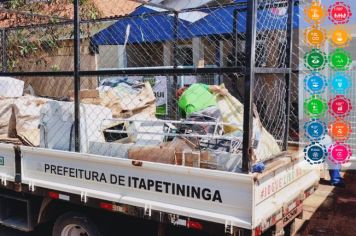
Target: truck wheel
[74,224]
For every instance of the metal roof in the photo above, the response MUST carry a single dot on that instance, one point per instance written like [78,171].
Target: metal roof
[149,25]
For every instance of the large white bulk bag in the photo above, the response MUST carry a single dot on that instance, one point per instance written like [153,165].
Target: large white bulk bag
[232,111]
[27,114]
[7,120]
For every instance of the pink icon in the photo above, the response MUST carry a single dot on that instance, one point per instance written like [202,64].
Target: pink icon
[340,153]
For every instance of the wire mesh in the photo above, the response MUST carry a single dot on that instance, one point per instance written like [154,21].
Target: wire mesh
[37,48]
[151,38]
[271,52]
[271,36]
[352,140]
[2,49]
[134,115]
[22,112]
[269,98]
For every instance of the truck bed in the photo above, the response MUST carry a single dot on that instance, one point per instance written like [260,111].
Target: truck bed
[234,199]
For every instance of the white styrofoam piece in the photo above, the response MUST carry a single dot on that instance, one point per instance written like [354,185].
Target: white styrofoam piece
[11,87]
[57,125]
[149,131]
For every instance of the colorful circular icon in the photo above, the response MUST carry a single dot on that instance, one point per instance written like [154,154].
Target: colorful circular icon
[315,13]
[340,106]
[339,13]
[315,60]
[339,37]
[340,83]
[340,130]
[315,107]
[340,60]
[315,36]
[315,153]
[340,153]
[315,130]
[315,83]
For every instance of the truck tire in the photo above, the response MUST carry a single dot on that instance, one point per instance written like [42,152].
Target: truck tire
[74,224]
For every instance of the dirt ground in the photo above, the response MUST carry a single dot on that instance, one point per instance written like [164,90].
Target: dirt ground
[330,211]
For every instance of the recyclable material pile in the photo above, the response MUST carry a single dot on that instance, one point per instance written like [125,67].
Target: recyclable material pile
[118,119]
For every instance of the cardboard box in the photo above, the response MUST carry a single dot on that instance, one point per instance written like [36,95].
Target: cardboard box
[158,154]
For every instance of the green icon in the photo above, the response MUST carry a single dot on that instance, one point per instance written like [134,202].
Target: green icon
[315,60]
[340,60]
[315,107]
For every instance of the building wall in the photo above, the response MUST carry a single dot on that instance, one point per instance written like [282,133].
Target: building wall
[145,55]
[61,59]
[111,56]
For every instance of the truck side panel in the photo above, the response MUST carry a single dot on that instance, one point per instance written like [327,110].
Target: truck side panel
[215,196]
[7,163]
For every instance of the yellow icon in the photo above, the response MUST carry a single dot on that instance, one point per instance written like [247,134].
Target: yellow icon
[315,12]
[315,36]
[340,37]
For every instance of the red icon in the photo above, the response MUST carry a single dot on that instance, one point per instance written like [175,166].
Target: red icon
[339,13]
[340,106]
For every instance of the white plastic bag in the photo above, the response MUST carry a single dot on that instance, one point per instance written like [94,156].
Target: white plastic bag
[232,112]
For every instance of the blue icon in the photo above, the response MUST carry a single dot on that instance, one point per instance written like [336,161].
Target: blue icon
[315,83]
[315,153]
[315,130]
[340,83]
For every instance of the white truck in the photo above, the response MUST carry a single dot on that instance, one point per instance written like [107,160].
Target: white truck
[38,185]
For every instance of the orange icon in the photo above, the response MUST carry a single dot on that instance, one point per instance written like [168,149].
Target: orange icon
[340,36]
[315,36]
[340,130]
[315,13]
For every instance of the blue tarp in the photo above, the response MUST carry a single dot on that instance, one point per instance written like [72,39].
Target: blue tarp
[143,28]
[159,27]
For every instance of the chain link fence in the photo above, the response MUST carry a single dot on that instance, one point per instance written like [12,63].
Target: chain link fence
[159,83]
